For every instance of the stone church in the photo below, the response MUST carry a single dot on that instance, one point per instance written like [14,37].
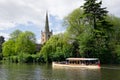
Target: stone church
[46,34]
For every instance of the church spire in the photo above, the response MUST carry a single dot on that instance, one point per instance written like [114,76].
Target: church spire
[46,23]
[46,34]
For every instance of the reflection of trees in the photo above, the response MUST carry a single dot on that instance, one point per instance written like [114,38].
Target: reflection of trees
[45,72]
[110,73]
[18,72]
[77,74]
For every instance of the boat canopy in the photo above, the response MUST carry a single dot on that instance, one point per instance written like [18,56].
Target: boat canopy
[77,59]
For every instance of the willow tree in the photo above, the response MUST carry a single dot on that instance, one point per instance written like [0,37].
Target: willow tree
[56,49]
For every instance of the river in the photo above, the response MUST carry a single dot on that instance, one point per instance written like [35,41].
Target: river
[46,72]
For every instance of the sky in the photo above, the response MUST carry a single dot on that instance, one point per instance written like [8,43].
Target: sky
[29,15]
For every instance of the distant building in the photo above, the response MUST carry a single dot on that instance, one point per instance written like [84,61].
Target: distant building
[45,35]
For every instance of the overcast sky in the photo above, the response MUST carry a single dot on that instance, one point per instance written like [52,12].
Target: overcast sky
[30,14]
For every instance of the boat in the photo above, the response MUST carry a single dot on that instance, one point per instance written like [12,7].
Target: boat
[91,63]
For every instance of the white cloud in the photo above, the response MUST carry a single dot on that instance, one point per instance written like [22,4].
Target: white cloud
[113,6]
[61,8]
[6,25]
[15,12]
[6,36]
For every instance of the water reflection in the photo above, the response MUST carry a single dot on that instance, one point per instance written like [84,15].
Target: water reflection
[46,72]
[110,72]
[79,74]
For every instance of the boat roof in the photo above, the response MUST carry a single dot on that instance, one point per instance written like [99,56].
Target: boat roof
[82,59]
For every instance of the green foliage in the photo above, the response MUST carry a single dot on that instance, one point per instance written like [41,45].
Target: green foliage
[75,26]
[117,50]
[56,49]
[25,43]
[75,23]
[94,13]
[20,47]
[96,35]
[14,35]
[23,58]
[116,27]
[9,48]
[89,34]
[95,41]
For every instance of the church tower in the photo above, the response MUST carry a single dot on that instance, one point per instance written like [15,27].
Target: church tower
[46,34]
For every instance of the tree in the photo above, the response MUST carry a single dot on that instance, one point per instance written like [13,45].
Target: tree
[25,43]
[8,48]
[1,42]
[75,23]
[116,26]
[20,47]
[14,35]
[102,42]
[56,49]
[115,37]
[98,43]
[94,13]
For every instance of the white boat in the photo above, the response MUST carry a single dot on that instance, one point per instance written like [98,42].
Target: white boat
[91,63]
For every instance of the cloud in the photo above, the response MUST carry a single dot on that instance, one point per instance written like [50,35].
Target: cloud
[6,25]
[6,36]
[13,12]
[113,6]
[61,8]
[23,12]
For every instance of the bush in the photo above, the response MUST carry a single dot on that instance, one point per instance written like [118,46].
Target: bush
[24,58]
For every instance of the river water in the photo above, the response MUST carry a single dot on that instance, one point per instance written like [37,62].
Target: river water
[46,72]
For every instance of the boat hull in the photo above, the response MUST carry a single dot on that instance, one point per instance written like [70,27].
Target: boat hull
[58,65]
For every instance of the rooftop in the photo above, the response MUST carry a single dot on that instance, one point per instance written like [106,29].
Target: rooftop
[82,59]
